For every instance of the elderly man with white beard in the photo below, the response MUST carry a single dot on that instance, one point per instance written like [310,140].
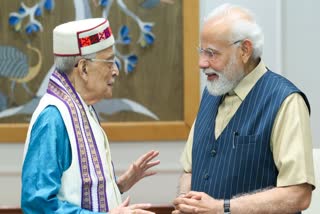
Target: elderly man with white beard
[249,149]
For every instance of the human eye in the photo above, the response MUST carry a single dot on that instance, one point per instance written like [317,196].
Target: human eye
[111,60]
[211,53]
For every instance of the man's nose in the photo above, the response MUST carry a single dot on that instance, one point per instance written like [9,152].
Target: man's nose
[203,62]
[115,71]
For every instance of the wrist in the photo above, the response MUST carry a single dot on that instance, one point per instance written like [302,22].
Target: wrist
[226,206]
[120,187]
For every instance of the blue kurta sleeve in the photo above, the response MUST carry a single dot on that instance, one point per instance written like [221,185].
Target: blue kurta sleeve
[48,156]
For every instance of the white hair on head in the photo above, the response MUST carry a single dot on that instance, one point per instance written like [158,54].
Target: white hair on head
[246,30]
[66,64]
[241,28]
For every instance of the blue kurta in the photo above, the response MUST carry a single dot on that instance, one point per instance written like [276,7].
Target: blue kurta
[48,156]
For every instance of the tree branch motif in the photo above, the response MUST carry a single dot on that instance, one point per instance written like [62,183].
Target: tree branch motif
[33,26]
[146,37]
[129,61]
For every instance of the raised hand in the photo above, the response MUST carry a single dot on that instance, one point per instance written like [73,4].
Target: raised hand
[138,170]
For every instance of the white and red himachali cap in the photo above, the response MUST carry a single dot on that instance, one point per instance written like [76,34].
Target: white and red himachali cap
[82,37]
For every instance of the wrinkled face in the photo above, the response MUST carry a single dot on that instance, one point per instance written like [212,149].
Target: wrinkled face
[219,59]
[101,73]
[225,80]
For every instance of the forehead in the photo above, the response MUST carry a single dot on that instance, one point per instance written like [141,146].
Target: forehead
[106,53]
[215,32]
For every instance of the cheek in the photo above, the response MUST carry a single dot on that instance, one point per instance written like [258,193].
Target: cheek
[218,65]
[108,75]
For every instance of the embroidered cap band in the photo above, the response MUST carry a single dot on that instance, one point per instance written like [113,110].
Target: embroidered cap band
[82,37]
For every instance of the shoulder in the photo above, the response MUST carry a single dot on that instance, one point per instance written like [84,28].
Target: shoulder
[287,89]
[50,116]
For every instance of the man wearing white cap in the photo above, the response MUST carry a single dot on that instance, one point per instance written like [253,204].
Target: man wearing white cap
[67,161]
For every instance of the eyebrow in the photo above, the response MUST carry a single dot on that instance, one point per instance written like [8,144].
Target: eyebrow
[212,48]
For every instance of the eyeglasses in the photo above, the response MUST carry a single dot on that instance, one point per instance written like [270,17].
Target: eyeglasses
[113,61]
[211,53]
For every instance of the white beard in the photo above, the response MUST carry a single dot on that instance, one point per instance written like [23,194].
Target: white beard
[223,85]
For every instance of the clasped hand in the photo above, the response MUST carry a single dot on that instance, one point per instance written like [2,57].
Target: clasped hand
[197,202]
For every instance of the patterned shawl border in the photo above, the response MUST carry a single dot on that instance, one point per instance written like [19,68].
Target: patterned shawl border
[96,159]
[86,201]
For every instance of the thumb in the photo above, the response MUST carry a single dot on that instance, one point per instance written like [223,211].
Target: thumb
[126,202]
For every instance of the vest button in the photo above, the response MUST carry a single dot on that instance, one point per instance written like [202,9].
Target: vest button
[213,152]
[206,176]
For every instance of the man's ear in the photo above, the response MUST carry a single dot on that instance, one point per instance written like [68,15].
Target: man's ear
[246,50]
[82,69]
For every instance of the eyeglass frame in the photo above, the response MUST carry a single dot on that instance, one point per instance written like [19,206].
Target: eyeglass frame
[210,53]
[113,61]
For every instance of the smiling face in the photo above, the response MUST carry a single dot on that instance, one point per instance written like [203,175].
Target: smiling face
[98,76]
[220,58]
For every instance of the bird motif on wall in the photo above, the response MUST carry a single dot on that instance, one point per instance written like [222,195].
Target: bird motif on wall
[15,67]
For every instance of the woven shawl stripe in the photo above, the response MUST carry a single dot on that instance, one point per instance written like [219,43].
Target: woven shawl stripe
[102,197]
[86,198]
[55,90]
[86,201]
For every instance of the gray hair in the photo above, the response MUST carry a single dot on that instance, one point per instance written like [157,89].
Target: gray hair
[66,64]
[241,28]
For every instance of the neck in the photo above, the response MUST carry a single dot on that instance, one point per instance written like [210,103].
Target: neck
[251,65]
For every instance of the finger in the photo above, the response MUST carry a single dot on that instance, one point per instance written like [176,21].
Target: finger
[145,165]
[175,202]
[178,200]
[175,212]
[140,206]
[140,211]
[195,194]
[148,173]
[183,195]
[196,197]
[126,202]
[155,154]
[152,164]
[152,155]
[184,208]
[191,201]
[147,157]
[188,201]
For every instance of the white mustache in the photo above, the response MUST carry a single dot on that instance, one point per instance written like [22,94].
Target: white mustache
[210,71]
